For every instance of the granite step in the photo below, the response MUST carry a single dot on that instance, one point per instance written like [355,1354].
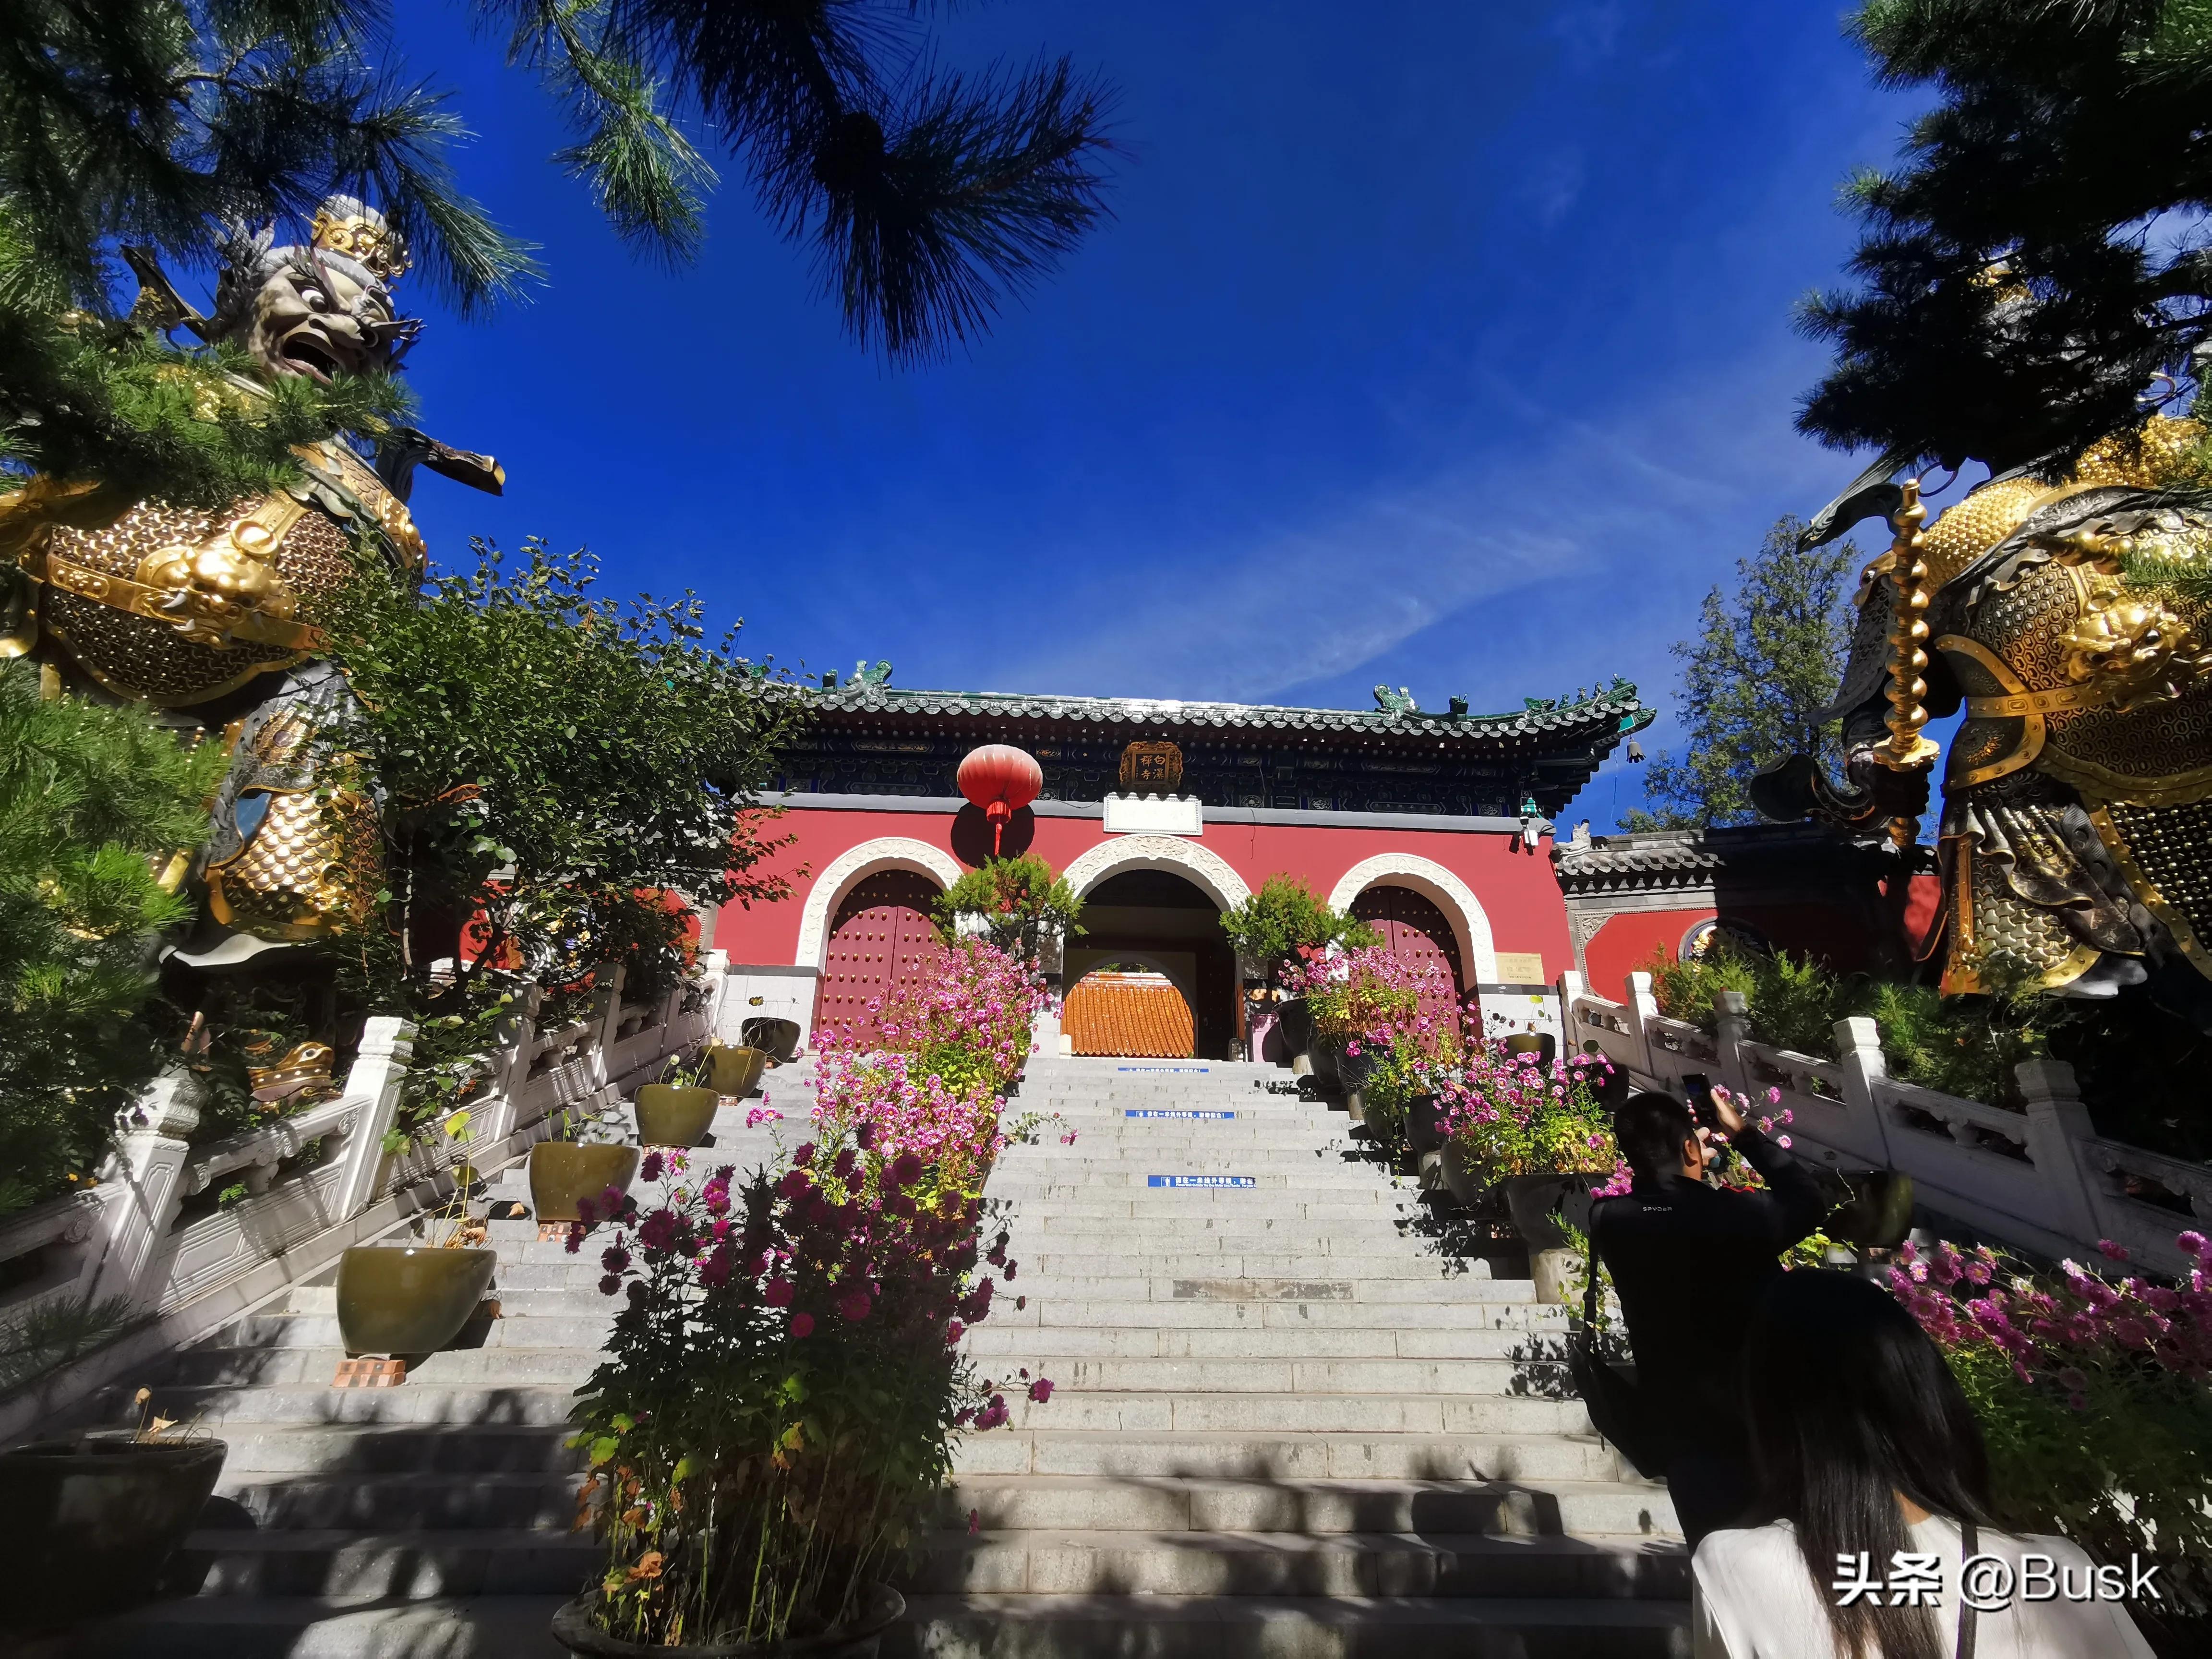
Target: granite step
[1269,1627]
[1219,1285]
[942,1627]
[1311,1508]
[1500,1311]
[417,1564]
[535,1500]
[1052,1346]
[1541,1456]
[1167,1412]
[329,1627]
[1050,1562]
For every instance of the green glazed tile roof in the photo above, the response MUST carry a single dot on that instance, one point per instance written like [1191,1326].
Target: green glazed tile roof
[1610,713]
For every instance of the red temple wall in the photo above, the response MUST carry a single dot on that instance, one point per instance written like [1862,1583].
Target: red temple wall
[1516,887]
[1829,933]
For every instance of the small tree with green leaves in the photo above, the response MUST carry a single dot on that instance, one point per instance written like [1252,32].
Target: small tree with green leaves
[568,781]
[1015,902]
[95,802]
[1270,927]
[1756,680]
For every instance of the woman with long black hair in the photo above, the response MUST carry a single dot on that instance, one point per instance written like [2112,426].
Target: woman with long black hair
[1872,1470]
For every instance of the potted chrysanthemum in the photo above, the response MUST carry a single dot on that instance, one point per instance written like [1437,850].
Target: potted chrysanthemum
[1533,1130]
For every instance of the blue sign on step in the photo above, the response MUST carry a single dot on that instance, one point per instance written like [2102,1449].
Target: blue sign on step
[1202,1180]
[1148,1111]
[1163,1068]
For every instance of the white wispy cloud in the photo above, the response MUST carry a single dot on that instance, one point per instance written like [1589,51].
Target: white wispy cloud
[1574,551]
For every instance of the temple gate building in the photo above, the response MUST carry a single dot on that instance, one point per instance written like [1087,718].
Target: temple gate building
[1433,825]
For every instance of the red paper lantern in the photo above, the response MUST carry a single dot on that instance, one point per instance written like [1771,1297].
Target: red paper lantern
[1001,780]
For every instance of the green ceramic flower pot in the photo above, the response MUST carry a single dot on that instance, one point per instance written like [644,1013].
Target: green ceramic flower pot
[734,1071]
[408,1300]
[86,1526]
[777,1038]
[669,1115]
[1464,1173]
[573,1629]
[1540,1043]
[562,1172]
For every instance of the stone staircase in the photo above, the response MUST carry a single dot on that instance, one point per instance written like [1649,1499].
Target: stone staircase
[1289,1421]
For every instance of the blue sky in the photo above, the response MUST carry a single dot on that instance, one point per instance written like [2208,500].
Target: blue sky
[1440,345]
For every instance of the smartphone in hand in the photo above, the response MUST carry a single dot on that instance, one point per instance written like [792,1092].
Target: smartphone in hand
[1698,1092]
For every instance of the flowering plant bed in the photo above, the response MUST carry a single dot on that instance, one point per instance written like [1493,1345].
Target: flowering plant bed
[2095,1396]
[775,1414]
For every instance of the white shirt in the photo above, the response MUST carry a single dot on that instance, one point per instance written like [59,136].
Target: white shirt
[1753,1597]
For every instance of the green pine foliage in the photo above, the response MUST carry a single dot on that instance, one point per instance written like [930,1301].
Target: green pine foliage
[2030,268]
[1755,680]
[162,125]
[95,801]
[1284,917]
[1016,901]
[87,400]
[929,197]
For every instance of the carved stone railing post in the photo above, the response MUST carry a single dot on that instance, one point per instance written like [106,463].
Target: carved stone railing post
[1862,1065]
[1732,1030]
[516,1033]
[380,1068]
[142,1186]
[2058,1132]
[1571,1034]
[1643,1009]
[604,1017]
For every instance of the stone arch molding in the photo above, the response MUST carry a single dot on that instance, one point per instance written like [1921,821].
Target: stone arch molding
[1203,865]
[1442,888]
[848,870]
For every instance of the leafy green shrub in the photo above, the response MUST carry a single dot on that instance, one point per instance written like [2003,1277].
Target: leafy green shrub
[1965,1046]
[1686,990]
[94,803]
[1018,900]
[1795,1003]
[1284,917]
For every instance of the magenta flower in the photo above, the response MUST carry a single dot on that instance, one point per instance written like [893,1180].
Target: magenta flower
[855,1306]
[802,1324]
[1041,1390]
[777,1293]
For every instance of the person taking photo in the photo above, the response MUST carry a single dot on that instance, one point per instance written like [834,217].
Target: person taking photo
[1690,1262]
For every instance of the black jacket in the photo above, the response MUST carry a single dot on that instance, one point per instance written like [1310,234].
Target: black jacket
[1690,1262]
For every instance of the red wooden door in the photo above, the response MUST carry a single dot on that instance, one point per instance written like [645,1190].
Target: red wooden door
[880,932]
[1416,932]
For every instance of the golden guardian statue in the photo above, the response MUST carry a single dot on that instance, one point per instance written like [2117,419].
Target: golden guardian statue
[213,616]
[2069,615]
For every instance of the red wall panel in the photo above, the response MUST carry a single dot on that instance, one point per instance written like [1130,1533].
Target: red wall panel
[1515,886]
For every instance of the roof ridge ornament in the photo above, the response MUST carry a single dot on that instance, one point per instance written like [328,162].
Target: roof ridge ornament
[1400,701]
